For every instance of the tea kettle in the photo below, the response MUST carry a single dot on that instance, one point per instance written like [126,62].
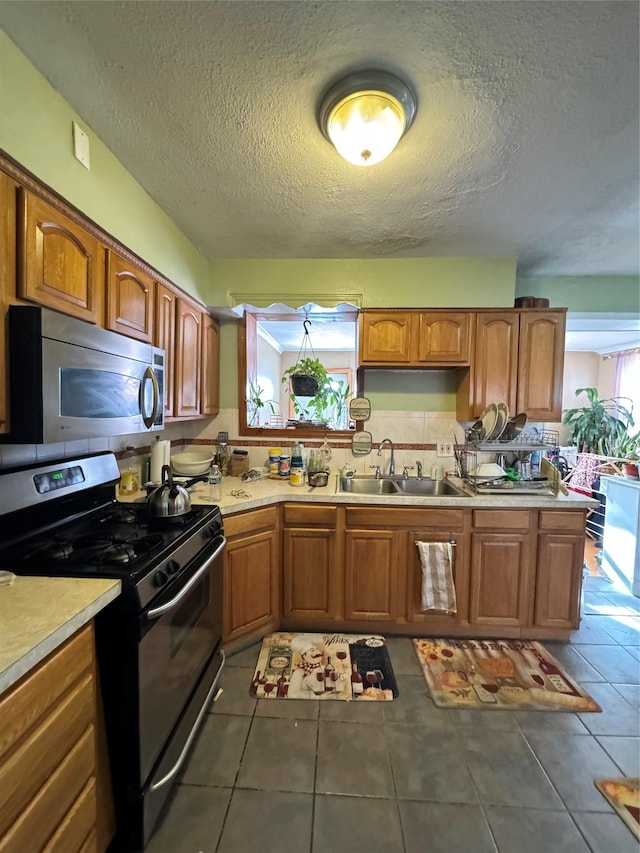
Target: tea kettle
[171,500]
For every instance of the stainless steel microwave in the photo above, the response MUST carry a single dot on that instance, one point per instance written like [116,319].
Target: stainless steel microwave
[71,380]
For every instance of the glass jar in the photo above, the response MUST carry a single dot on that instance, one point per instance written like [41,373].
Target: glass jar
[129,473]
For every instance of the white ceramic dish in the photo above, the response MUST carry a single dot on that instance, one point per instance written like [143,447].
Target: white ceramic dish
[501,421]
[489,418]
[489,470]
[191,463]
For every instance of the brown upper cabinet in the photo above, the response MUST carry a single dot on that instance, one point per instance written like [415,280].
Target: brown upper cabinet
[518,358]
[165,323]
[59,263]
[210,372]
[411,338]
[130,299]
[187,354]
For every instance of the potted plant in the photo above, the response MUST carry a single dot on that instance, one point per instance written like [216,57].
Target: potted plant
[599,427]
[256,402]
[629,451]
[306,377]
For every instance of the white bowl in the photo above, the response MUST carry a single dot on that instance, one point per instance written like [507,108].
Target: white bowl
[489,469]
[191,462]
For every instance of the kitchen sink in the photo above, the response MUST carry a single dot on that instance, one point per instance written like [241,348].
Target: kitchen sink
[428,488]
[364,485]
[367,486]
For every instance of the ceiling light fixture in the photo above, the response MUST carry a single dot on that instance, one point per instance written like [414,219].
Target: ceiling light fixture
[365,115]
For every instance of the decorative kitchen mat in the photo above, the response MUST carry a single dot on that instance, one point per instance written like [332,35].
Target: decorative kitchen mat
[624,795]
[498,674]
[324,666]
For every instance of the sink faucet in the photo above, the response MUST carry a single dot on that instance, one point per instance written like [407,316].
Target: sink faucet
[392,463]
[418,469]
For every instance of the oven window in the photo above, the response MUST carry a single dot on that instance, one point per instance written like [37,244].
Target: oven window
[89,393]
[187,615]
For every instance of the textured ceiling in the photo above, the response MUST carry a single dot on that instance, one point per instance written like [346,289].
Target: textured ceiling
[526,140]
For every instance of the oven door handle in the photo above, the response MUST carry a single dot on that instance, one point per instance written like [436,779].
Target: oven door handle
[194,731]
[158,611]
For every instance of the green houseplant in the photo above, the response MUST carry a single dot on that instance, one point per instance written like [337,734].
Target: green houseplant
[256,402]
[601,426]
[308,377]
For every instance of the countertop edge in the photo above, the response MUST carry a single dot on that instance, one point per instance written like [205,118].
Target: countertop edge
[266,492]
[70,622]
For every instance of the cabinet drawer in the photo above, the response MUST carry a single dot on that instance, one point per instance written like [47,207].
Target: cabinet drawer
[554,519]
[250,522]
[40,755]
[78,823]
[53,800]
[369,516]
[33,697]
[501,519]
[303,514]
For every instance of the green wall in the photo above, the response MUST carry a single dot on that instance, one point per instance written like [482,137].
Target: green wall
[35,129]
[590,295]
[399,282]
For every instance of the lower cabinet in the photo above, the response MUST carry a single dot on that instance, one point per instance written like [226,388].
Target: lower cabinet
[48,754]
[251,573]
[435,619]
[375,575]
[516,572]
[501,551]
[560,561]
[312,578]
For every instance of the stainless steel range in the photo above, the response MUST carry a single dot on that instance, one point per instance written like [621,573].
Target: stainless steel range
[159,644]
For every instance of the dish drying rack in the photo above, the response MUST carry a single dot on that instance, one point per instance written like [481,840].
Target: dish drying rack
[530,440]
[547,484]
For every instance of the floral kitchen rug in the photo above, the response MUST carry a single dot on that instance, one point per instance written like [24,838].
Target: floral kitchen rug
[498,674]
[624,795]
[324,666]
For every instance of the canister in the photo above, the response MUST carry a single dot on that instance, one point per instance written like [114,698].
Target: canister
[296,477]
[285,464]
[274,460]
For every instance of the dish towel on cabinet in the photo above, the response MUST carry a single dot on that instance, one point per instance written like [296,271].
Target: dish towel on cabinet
[438,591]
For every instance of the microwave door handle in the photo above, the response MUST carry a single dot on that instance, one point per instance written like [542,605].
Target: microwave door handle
[146,376]
[162,608]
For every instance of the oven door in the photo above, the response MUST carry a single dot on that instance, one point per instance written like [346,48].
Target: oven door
[179,634]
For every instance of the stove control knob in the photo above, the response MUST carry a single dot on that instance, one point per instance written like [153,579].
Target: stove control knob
[172,567]
[160,578]
[212,531]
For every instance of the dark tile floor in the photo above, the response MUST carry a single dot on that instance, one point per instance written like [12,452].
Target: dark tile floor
[406,777]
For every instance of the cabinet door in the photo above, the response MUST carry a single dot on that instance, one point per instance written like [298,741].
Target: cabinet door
[558,580]
[385,338]
[415,613]
[309,574]
[250,584]
[60,262]
[8,190]
[541,364]
[375,575]
[130,299]
[187,359]
[444,338]
[499,579]
[495,367]
[210,371]
[165,337]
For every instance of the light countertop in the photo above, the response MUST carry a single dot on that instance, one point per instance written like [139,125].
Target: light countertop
[265,492]
[38,614]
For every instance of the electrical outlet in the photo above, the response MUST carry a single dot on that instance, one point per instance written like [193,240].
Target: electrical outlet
[444,447]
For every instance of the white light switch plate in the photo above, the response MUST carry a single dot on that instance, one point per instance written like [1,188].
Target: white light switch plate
[81,145]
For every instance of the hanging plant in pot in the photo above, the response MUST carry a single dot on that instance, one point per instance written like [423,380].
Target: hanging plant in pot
[308,376]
